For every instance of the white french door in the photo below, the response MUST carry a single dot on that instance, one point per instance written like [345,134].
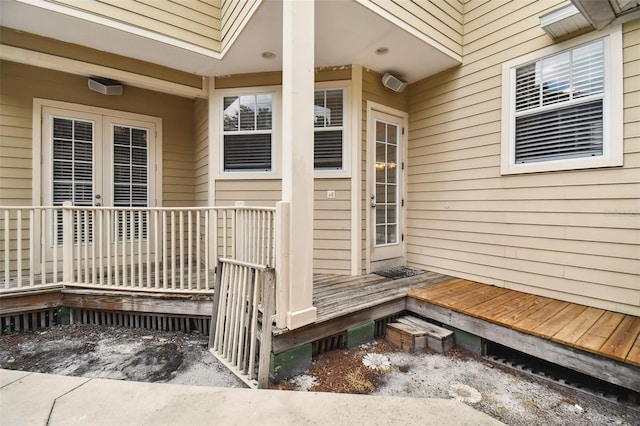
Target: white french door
[94,159]
[386,185]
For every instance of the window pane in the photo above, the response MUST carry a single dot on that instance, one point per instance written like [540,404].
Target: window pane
[556,79]
[328,149]
[248,112]
[247,152]
[231,112]
[265,111]
[335,107]
[319,108]
[563,133]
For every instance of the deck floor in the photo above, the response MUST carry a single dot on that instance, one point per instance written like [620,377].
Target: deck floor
[605,333]
[338,295]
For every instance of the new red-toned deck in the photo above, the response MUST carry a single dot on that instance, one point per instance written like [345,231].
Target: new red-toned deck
[605,333]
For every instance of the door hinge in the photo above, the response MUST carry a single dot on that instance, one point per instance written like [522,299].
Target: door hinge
[402,203]
[403,130]
[402,237]
[402,165]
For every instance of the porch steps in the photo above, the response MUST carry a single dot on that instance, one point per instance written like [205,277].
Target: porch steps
[414,334]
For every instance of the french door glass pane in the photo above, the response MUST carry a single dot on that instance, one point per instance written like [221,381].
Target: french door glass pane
[386,183]
[130,179]
[72,168]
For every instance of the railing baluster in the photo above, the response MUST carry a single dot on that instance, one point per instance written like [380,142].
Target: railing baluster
[19,247]
[181,260]
[7,252]
[32,237]
[198,257]
[173,249]
[189,250]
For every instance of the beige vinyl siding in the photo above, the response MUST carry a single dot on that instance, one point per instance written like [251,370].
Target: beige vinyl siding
[19,84]
[332,227]
[440,20]
[255,192]
[373,90]
[201,165]
[234,15]
[572,235]
[11,37]
[195,22]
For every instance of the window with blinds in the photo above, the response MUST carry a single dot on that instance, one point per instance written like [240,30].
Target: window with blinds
[559,106]
[329,129]
[247,132]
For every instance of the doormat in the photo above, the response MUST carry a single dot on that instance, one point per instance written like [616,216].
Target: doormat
[399,272]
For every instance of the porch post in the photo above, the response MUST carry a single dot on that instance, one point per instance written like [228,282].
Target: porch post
[297,154]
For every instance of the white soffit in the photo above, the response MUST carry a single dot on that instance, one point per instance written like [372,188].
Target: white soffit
[601,13]
[563,21]
[345,33]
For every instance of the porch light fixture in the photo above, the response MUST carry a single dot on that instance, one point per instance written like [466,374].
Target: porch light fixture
[382,50]
[268,55]
[106,86]
[563,21]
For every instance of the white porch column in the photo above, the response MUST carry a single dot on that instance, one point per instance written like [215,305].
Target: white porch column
[297,153]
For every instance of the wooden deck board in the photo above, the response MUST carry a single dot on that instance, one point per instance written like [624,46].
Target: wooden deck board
[620,342]
[528,307]
[634,354]
[530,322]
[576,329]
[557,322]
[437,290]
[594,338]
[500,305]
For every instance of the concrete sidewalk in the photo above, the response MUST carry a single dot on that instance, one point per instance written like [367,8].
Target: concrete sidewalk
[44,399]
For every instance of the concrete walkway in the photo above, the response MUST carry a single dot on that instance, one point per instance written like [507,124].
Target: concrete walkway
[44,399]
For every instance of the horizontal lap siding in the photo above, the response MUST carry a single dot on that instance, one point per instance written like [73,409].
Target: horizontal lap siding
[439,20]
[19,84]
[332,217]
[195,22]
[332,227]
[201,166]
[234,15]
[570,235]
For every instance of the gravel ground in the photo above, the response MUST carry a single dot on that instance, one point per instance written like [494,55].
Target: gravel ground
[151,356]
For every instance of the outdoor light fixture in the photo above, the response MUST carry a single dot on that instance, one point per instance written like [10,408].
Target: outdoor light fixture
[382,51]
[394,83]
[105,86]
[268,55]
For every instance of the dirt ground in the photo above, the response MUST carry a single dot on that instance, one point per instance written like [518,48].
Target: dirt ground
[169,357]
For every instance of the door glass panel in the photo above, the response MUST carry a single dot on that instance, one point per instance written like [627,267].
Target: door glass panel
[130,179]
[386,176]
[72,167]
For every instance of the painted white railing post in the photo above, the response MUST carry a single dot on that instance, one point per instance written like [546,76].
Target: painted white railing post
[67,242]
[239,233]
[282,220]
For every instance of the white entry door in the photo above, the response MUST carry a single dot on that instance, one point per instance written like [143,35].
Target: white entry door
[387,186]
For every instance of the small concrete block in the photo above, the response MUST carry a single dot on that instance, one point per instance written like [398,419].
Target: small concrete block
[290,363]
[361,334]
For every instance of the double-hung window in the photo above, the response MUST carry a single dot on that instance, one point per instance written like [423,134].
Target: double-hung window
[248,132]
[560,110]
[329,132]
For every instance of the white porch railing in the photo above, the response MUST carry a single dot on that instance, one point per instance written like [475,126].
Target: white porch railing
[144,249]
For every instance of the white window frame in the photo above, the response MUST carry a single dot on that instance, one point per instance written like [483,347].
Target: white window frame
[276,135]
[347,111]
[612,107]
